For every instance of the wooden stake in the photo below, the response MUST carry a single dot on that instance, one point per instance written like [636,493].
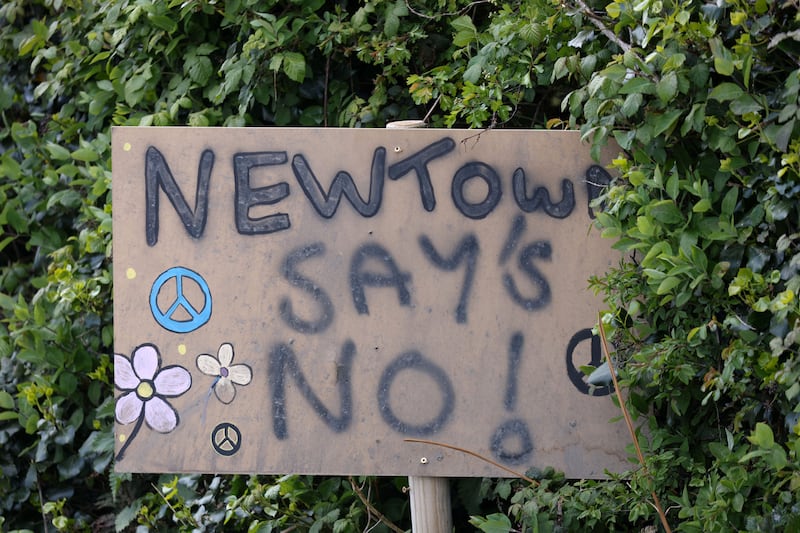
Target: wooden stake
[430,505]
[430,496]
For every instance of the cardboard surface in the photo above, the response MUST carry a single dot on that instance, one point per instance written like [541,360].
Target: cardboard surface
[346,289]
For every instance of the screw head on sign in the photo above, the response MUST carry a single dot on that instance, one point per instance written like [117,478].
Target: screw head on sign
[423,460]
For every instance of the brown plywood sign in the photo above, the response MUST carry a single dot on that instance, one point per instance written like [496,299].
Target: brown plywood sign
[305,300]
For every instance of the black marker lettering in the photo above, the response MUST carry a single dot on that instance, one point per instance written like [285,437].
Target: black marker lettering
[288,269]
[540,250]
[359,278]
[508,430]
[597,179]
[282,361]
[487,174]
[466,252]
[541,197]
[157,173]
[326,204]
[418,162]
[416,361]
[247,197]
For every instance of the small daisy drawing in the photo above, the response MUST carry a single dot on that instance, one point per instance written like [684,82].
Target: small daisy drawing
[227,374]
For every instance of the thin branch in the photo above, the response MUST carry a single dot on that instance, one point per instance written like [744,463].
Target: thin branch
[372,509]
[430,111]
[629,423]
[191,520]
[440,15]
[479,456]
[325,94]
[41,501]
[610,35]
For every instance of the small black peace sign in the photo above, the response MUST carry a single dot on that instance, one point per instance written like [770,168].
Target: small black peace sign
[226,439]
[197,317]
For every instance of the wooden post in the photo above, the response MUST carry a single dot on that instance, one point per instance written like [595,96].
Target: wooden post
[431,510]
[430,504]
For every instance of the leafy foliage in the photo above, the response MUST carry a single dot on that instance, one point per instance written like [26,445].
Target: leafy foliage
[702,98]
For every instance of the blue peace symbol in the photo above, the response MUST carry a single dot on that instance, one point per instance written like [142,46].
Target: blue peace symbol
[164,318]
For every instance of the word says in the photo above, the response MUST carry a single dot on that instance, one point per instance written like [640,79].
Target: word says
[158,175]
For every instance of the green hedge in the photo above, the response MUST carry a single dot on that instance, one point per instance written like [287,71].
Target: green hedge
[703,100]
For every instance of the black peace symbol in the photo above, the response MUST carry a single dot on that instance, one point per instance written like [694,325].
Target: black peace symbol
[226,439]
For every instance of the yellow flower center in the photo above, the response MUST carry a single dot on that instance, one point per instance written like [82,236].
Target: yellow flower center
[144,390]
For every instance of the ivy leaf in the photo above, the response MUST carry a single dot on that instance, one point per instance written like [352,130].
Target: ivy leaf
[473,72]
[725,91]
[465,31]
[6,400]
[493,523]
[723,61]
[762,436]
[667,284]
[666,121]
[666,212]
[745,104]
[164,23]
[667,87]
[199,69]
[780,135]
[294,65]
[637,85]
[632,104]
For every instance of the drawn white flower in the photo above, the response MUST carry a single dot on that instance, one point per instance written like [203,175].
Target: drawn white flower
[227,375]
[145,386]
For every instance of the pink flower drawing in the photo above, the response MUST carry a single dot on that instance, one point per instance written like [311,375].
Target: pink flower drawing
[227,374]
[145,386]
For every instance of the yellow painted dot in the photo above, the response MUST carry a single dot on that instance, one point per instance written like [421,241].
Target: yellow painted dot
[130,273]
[123,438]
[182,349]
[126,147]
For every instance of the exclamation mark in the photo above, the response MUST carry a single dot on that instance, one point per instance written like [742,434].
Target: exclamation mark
[514,357]
[511,441]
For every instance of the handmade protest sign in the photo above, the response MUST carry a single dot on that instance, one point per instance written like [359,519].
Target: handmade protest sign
[305,300]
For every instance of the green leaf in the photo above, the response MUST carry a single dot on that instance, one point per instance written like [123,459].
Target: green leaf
[493,523]
[464,24]
[726,91]
[164,23]
[665,121]
[68,198]
[780,134]
[673,62]
[745,104]
[667,87]
[632,104]
[665,211]
[667,284]
[127,515]
[723,61]
[702,205]
[57,152]
[473,73]
[294,65]
[637,85]
[762,436]
[729,202]
[6,400]
[391,24]
[199,69]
